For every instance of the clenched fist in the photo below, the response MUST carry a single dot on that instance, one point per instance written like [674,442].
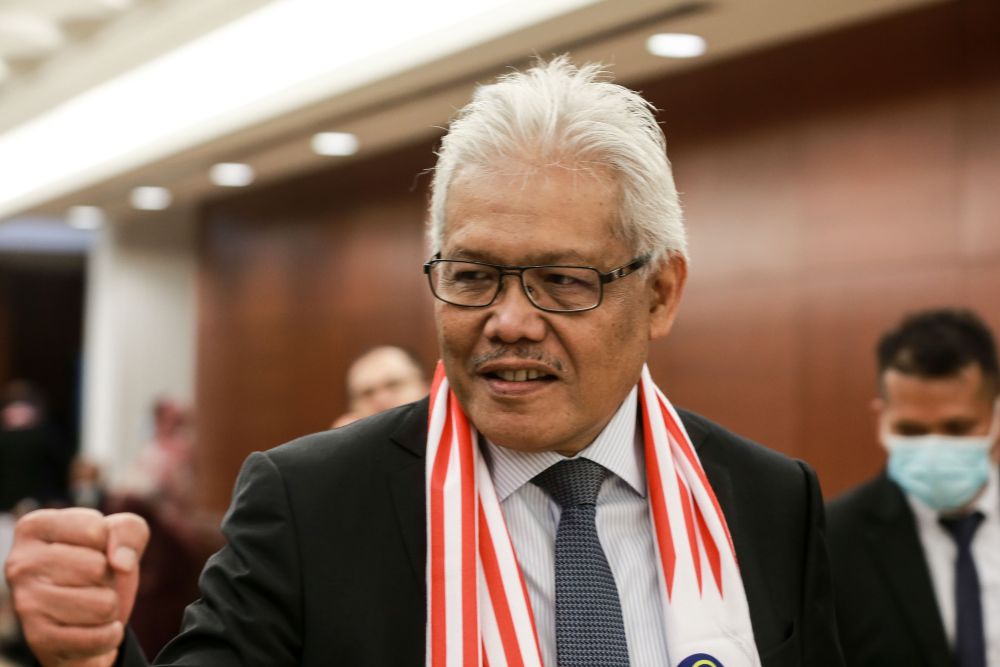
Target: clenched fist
[74,574]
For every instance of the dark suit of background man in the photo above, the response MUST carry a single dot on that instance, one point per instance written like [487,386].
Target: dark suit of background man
[916,551]
[326,561]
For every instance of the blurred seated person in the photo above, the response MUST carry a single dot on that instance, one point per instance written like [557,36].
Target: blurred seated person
[164,468]
[382,378]
[160,487]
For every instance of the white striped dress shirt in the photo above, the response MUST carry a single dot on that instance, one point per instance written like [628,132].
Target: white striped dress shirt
[623,526]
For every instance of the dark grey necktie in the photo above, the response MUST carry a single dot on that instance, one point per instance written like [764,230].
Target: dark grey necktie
[970,642]
[589,627]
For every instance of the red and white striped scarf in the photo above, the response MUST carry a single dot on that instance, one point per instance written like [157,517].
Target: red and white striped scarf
[478,611]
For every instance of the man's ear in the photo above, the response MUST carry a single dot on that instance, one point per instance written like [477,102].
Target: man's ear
[666,288]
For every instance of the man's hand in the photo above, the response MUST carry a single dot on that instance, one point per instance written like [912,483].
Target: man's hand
[74,574]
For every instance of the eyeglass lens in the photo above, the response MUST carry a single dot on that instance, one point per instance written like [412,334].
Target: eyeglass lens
[551,287]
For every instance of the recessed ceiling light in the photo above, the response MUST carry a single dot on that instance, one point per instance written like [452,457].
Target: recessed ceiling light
[676,45]
[149,198]
[85,217]
[335,143]
[231,174]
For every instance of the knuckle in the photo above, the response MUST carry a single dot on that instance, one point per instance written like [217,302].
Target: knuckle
[19,570]
[25,605]
[14,567]
[94,569]
[105,604]
[31,523]
[131,524]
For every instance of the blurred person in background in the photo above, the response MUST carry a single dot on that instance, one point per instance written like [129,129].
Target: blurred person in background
[546,501]
[916,551]
[33,463]
[160,487]
[164,470]
[382,378]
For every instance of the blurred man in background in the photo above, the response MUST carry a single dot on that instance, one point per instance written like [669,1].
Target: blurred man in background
[916,551]
[382,378]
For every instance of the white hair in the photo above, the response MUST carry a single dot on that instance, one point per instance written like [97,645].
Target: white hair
[556,112]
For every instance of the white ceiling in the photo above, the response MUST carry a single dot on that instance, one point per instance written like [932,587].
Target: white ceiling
[57,49]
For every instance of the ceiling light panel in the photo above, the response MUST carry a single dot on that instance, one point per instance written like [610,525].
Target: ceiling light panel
[85,217]
[225,81]
[676,45]
[231,174]
[335,143]
[149,198]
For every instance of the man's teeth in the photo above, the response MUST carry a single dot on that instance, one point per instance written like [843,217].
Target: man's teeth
[519,376]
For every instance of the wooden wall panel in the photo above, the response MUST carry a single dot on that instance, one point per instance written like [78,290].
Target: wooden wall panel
[296,281]
[830,186]
[733,354]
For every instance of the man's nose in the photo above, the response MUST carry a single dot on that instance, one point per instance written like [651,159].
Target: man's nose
[512,315]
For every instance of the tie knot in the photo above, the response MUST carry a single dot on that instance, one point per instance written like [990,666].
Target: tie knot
[573,482]
[962,528]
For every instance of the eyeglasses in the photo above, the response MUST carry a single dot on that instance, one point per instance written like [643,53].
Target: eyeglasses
[552,288]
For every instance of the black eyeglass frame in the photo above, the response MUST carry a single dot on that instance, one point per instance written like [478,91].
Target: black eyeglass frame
[516,270]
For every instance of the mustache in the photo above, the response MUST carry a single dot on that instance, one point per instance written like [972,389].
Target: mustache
[525,352]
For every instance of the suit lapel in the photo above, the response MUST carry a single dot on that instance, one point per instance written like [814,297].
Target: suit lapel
[406,485]
[892,537]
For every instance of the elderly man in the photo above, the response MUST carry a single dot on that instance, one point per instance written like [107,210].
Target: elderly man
[916,551]
[547,504]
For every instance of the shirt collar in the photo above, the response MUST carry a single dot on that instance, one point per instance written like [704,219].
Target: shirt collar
[616,448]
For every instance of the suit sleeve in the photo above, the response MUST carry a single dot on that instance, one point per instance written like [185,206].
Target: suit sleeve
[250,611]
[821,646]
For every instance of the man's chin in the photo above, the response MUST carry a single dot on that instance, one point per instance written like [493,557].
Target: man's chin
[517,432]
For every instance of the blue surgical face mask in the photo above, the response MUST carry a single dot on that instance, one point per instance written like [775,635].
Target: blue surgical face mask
[945,472]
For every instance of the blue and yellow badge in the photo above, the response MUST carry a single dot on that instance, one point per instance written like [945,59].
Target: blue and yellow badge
[700,660]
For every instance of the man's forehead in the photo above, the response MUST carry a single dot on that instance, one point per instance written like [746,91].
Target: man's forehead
[525,256]
[382,362]
[583,172]
[961,391]
[541,223]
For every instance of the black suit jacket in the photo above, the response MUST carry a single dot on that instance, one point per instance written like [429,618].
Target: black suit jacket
[326,551]
[886,609]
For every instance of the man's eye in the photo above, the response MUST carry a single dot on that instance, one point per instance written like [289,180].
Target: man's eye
[562,279]
[471,276]
[911,429]
[959,427]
